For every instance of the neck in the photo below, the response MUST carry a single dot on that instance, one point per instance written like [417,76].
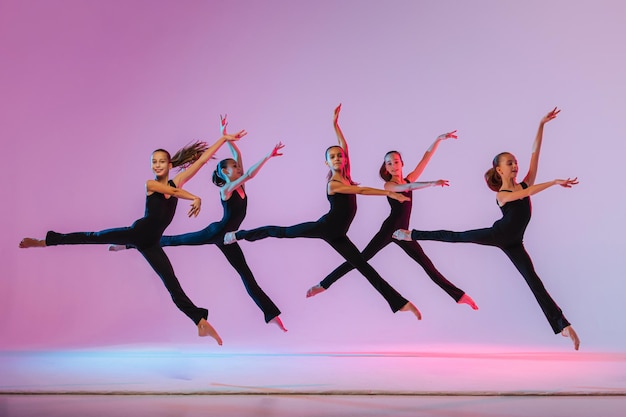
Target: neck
[398,179]
[164,179]
[508,184]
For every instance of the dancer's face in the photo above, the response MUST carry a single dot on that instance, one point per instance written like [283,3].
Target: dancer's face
[336,158]
[507,166]
[232,170]
[161,164]
[394,164]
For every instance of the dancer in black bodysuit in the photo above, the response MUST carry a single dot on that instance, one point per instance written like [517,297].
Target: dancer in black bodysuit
[229,176]
[391,172]
[161,199]
[332,227]
[508,232]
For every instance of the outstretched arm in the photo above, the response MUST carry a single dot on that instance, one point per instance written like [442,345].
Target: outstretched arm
[182,177]
[415,174]
[153,186]
[336,187]
[399,188]
[228,189]
[534,158]
[340,138]
[504,197]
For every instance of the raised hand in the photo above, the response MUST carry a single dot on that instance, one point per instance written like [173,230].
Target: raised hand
[567,183]
[195,207]
[336,114]
[449,135]
[223,124]
[236,136]
[551,115]
[276,150]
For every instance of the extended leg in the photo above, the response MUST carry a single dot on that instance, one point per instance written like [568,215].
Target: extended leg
[205,236]
[309,229]
[378,242]
[236,258]
[415,251]
[161,264]
[520,258]
[346,248]
[479,236]
[120,236]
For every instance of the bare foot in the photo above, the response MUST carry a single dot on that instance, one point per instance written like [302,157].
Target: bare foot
[116,248]
[29,242]
[411,307]
[229,238]
[314,290]
[466,299]
[571,333]
[277,321]
[205,329]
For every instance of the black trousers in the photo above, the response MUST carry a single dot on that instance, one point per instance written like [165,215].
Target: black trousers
[153,253]
[516,252]
[339,242]
[412,248]
[235,257]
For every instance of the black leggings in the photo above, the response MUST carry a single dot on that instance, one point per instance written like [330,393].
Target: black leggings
[412,248]
[516,252]
[341,243]
[153,253]
[235,257]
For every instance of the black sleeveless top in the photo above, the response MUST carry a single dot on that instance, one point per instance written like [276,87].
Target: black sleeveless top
[342,212]
[158,215]
[515,217]
[234,212]
[400,212]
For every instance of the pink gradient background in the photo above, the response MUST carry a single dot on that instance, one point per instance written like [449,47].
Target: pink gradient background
[90,88]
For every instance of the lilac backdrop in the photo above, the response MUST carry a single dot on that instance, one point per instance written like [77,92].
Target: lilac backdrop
[90,88]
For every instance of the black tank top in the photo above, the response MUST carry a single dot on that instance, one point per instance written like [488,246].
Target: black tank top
[342,212]
[515,216]
[234,212]
[158,215]
[400,212]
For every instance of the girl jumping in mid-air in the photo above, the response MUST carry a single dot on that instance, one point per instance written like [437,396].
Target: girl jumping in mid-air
[230,177]
[162,195]
[332,227]
[513,198]
[391,172]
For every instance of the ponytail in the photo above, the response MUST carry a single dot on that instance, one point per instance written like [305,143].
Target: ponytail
[189,154]
[493,179]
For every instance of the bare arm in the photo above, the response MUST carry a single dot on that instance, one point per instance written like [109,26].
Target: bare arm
[336,187]
[392,186]
[153,186]
[504,197]
[228,189]
[534,158]
[182,177]
[415,174]
[234,149]
[340,138]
